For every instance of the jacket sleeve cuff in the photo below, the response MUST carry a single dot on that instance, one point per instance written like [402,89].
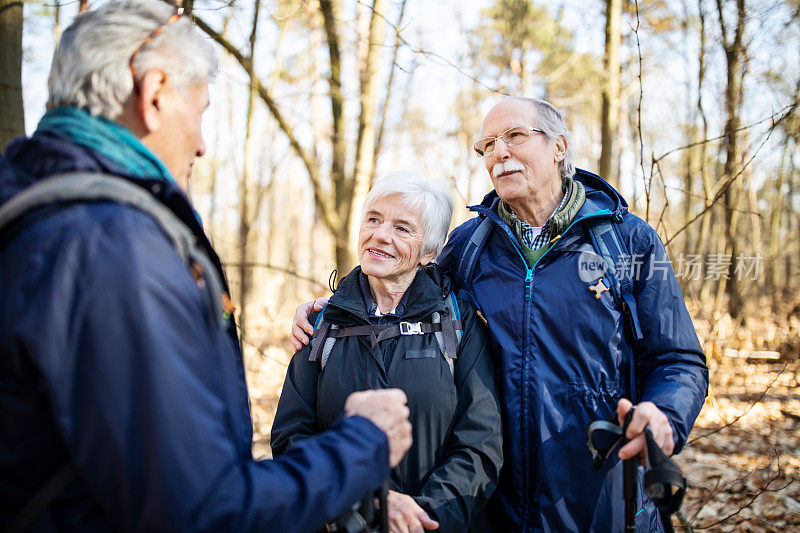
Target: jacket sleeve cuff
[369,432]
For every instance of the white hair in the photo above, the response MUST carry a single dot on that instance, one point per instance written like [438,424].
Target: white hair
[551,121]
[91,69]
[430,198]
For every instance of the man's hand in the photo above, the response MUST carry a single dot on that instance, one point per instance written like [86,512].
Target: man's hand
[302,329]
[646,414]
[387,410]
[406,516]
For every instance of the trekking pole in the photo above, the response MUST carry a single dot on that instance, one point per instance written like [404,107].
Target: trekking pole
[383,503]
[629,481]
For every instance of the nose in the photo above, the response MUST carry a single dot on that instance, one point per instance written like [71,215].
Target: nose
[382,233]
[201,148]
[501,149]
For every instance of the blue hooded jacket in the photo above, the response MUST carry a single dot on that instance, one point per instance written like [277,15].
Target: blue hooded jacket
[563,359]
[108,361]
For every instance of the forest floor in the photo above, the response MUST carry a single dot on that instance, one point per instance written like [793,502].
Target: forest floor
[742,458]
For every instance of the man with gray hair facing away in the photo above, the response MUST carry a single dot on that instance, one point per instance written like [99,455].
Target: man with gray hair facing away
[584,315]
[123,404]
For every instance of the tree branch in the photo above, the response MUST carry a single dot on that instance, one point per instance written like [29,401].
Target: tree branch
[332,219]
[728,424]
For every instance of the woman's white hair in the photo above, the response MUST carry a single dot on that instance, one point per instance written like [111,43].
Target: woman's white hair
[431,199]
[91,69]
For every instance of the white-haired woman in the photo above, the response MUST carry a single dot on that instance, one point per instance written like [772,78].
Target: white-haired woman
[393,322]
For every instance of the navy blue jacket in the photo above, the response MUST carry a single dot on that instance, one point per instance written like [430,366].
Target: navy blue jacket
[563,359]
[107,360]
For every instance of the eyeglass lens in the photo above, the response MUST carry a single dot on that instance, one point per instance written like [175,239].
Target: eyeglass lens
[512,137]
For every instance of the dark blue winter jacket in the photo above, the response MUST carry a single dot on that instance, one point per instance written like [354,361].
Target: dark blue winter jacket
[563,361]
[108,361]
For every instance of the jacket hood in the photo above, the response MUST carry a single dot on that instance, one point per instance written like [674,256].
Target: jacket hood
[28,160]
[600,195]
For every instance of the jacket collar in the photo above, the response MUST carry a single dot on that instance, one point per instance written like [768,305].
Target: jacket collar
[423,297]
[599,196]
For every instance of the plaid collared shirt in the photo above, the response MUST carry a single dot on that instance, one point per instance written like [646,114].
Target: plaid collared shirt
[529,236]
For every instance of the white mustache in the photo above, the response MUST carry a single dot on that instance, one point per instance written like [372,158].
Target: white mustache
[510,165]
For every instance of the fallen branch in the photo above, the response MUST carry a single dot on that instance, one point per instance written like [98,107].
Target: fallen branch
[766,488]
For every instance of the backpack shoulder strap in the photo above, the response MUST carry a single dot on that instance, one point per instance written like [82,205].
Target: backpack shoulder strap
[321,341]
[608,243]
[39,501]
[449,338]
[472,250]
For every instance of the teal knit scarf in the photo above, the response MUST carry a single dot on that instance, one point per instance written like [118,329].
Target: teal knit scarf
[106,137]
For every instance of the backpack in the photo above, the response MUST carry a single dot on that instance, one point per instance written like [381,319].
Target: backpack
[85,187]
[446,328]
[607,243]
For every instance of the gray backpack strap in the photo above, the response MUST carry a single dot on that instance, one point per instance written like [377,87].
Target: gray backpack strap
[449,337]
[318,339]
[321,342]
[93,187]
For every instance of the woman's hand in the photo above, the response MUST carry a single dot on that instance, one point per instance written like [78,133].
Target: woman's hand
[406,516]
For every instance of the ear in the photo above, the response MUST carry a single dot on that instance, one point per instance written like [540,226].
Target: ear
[149,99]
[561,149]
[425,259]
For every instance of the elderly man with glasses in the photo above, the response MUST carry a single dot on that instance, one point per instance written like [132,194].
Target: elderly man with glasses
[573,339]
[123,404]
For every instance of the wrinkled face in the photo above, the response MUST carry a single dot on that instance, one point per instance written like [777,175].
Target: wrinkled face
[390,240]
[181,132]
[518,171]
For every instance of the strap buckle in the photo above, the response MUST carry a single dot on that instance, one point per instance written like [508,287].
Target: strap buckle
[410,328]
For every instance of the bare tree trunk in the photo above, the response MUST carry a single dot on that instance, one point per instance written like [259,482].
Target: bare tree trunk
[611,92]
[389,86]
[12,113]
[775,227]
[757,237]
[365,144]
[792,273]
[329,10]
[633,128]
[83,6]
[735,57]
[57,21]
[245,218]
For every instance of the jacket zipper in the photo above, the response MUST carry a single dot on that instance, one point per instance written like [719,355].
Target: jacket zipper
[528,290]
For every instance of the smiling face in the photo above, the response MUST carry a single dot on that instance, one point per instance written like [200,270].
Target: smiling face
[390,241]
[519,172]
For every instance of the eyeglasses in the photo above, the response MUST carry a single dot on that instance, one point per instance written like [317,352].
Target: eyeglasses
[155,33]
[512,137]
